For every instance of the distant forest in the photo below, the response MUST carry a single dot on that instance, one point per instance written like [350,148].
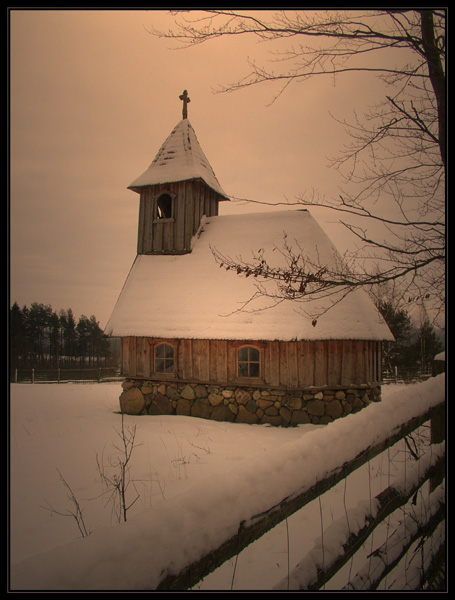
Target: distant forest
[415,346]
[41,337]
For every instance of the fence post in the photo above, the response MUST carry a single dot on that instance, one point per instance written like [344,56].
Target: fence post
[438,422]
[15,375]
[58,375]
[33,375]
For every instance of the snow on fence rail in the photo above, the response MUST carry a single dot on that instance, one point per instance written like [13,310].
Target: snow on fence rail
[312,573]
[173,549]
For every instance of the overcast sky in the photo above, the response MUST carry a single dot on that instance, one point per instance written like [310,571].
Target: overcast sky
[93,97]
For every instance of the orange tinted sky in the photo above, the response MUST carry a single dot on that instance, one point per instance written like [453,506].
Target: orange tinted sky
[94,95]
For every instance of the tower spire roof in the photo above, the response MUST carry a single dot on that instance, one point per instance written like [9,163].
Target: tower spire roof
[180,158]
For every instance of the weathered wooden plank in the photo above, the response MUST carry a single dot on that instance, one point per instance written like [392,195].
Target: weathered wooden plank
[371,361]
[212,203]
[231,361]
[284,364]
[167,229]
[124,356]
[273,377]
[346,363]
[132,356]
[144,233]
[306,363]
[320,363]
[213,361]
[201,207]
[201,356]
[149,215]
[179,216]
[368,361]
[141,352]
[380,361]
[189,215]
[377,368]
[357,362]
[140,228]
[334,350]
[218,360]
[186,359]
[293,370]
[198,204]
[157,241]
[205,360]
[196,359]
[207,201]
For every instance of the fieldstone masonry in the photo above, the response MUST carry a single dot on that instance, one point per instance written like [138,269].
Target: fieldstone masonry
[244,405]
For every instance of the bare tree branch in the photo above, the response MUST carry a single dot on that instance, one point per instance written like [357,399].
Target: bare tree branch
[397,151]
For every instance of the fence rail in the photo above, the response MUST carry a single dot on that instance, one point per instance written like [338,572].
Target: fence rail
[410,428]
[406,375]
[388,501]
[66,375]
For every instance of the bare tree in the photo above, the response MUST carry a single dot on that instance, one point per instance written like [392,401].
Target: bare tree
[75,512]
[394,165]
[116,474]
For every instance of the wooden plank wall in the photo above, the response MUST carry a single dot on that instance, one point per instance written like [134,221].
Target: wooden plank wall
[193,199]
[284,364]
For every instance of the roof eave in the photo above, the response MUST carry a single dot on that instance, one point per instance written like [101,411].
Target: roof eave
[137,188]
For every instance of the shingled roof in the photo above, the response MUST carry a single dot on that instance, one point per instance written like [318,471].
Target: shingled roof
[190,296]
[180,158]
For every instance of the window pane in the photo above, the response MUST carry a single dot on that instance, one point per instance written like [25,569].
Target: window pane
[249,362]
[243,354]
[168,365]
[164,358]
[254,369]
[254,354]
[243,369]
[164,351]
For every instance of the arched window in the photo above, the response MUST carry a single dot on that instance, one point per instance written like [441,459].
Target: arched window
[164,358]
[164,208]
[249,362]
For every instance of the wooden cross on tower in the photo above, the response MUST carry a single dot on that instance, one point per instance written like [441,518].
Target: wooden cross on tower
[185,99]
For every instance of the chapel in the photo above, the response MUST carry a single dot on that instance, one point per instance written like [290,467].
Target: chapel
[201,341]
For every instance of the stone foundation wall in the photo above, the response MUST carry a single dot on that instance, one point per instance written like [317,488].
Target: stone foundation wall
[242,404]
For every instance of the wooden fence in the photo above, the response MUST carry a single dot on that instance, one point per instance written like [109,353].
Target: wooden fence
[415,537]
[410,375]
[391,499]
[95,374]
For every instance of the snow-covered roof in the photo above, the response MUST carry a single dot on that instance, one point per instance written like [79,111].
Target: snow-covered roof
[190,296]
[180,158]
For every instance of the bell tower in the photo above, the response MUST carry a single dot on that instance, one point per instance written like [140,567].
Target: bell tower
[176,191]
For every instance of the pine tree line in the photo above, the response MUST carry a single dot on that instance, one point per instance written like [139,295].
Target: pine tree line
[41,337]
[414,347]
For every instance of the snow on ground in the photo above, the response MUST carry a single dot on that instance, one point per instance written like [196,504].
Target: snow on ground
[186,471]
